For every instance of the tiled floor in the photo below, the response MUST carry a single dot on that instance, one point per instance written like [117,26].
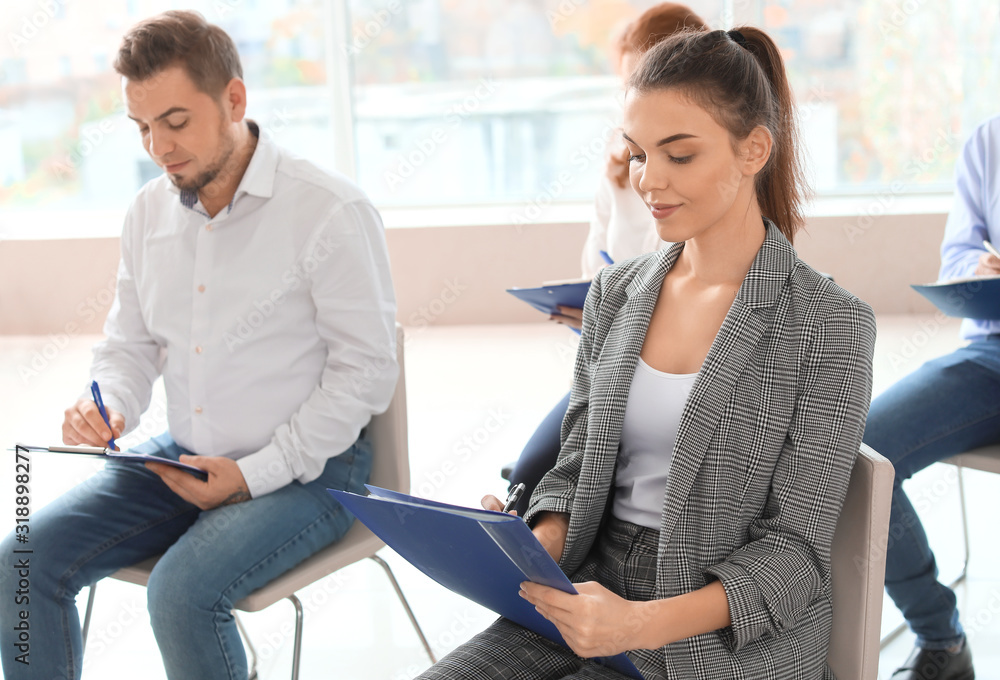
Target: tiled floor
[484,388]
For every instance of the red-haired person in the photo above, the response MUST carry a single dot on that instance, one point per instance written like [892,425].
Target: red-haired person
[718,403]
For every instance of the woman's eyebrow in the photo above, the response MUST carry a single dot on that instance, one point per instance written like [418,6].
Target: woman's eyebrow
[666,140]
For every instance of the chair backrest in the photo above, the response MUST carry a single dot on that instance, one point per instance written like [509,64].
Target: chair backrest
[387,431]
[858,568]
[986,459]
[390,470]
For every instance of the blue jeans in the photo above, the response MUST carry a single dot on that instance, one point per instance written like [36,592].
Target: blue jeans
[947,406]
[539,454]
[211,560]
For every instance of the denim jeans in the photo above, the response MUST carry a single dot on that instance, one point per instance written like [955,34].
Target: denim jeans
[947,406]
[211,560]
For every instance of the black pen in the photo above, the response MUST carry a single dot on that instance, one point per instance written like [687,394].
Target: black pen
[513,497]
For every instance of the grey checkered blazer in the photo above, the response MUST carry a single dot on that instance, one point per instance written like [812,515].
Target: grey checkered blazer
[760,466]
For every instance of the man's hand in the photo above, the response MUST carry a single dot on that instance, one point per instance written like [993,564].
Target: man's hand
[83,424]
[571,316]
[225,484]
[989,265]
[595,622]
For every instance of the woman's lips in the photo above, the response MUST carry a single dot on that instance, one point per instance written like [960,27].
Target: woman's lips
[662,210]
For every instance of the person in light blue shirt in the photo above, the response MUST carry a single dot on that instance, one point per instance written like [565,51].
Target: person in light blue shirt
[949,405]
[975,218]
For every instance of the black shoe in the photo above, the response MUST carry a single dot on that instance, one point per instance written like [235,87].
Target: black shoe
[937,664]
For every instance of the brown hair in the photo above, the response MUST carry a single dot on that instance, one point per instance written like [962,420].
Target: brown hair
[739,77]
[180,38]
[649,28]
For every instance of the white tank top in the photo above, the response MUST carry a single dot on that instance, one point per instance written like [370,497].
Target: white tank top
[652,416]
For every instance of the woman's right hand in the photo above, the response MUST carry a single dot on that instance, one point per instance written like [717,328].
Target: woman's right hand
[571,316]
[550,527]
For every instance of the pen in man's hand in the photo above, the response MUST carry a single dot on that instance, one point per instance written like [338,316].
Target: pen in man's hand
[95,390]
[513,497]
[991,249]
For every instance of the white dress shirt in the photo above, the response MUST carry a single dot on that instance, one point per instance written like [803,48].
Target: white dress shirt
[273,323]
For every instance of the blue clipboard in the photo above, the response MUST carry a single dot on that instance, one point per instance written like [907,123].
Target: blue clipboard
[122,456]
[480,554]
[548,298]
[973,298]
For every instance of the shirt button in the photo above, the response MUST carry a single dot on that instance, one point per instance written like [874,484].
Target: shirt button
[201,288]
[198,349]
[197,409]
[208,227]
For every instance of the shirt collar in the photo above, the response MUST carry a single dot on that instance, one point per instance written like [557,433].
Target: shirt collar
[258,179]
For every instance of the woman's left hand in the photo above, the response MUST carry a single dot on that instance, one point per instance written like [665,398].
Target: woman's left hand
[595,622]
[571,316]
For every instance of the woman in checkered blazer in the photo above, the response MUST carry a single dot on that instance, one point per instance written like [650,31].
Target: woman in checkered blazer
[718,402]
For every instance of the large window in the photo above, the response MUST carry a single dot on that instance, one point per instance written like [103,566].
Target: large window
[454,102]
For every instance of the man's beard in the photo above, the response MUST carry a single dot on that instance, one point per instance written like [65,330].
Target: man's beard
[206,176]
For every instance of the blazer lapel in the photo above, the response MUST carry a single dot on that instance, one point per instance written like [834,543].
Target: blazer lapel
[616,363]
[733,348]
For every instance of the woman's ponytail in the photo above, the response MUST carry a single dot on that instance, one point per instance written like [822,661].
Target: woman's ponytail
[781,185]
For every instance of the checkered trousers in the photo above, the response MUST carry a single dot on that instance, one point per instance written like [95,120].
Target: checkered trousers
[623,560]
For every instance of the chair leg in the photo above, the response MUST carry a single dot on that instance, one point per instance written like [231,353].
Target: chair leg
[86,617]
[406,606]
[894,633]
[252,673]
[297,649]
[965,530]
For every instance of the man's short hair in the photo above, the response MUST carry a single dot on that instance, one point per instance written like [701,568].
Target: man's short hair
[180,38]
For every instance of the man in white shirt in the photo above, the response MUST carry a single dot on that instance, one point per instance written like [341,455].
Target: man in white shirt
[259,287]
